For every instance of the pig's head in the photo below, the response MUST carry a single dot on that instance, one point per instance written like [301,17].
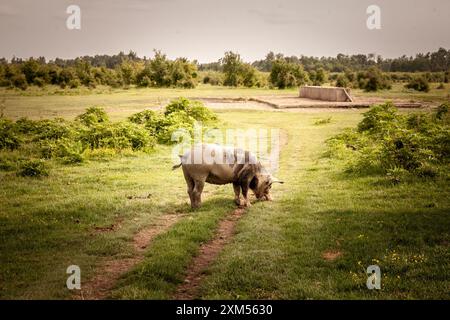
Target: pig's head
[261,185]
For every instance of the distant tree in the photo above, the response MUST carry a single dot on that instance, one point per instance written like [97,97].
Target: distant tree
[266,64]
[419,84]
[183,73]
[236,72]
[318,77]
[231,67]
[248,75]
[65,76]
[342,81]
[19,81]
[287,74]
[83,70]
[159,70]
[126,71]
[30,69]
[162,72]
[373,80]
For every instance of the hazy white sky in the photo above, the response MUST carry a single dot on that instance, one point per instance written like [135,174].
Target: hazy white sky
[205,29]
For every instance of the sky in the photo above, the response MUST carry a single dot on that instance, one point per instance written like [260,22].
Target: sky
[205,29]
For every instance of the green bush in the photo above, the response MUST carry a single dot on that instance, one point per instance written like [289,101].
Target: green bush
[9,138]
[120,135]
[342,81]
[318,77]
[373,80]
[50,129]
[92,136]
[7,162]
[74,83]
[174,122]
[93,115]
[180,113]
[442,111]
[319,122]
[213,78]
[162,72]
[419,84]
[67,150]
[33,168]
[19,81]
[26,126]
[39,82]
[379,119]
[238,73]
[194,109]
[287,74]
[386,141]
[143,117]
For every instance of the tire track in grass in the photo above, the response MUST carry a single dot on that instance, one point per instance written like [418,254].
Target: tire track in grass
[207,254]
[100,286]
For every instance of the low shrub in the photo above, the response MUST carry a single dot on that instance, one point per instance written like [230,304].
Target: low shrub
[7,164]
[322,121]
[93,136]
[386,141]
[93,115]
[33,168]
[342,81]
[194,109]
[74,83]
[39,82]
[153,121]
[118,135]
[100,154]
[19,81]
[213,78]
[9,138]
[68,151]
[418,84]
[379,119]
[26,126]
[373,80]
[177,121]
[53,129]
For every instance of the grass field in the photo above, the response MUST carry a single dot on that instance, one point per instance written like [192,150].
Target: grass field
[36,103]
[54,102]
[398,91]
[314,241]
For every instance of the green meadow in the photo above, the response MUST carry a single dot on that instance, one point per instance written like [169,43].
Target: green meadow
[315,240]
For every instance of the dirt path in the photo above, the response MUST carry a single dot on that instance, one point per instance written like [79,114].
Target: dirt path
[110,271]
[207,254]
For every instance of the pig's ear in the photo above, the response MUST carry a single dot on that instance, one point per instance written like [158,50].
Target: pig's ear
[276,180]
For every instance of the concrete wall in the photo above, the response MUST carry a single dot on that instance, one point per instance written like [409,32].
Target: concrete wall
[325,93]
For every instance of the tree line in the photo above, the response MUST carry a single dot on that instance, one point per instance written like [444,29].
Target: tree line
[438,61]
[276,70]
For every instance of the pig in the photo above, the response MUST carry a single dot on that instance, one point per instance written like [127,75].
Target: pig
[216,164]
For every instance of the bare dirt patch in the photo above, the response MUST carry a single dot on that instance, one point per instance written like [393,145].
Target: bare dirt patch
[207,254]
[110,271]
[287,102]
[331,255]
[143,238]
[293,103]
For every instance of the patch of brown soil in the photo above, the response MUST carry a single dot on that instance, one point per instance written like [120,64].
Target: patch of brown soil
[143,238]
[331,255]
[286,102]
[207,254]
[112,227]
[110,271]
